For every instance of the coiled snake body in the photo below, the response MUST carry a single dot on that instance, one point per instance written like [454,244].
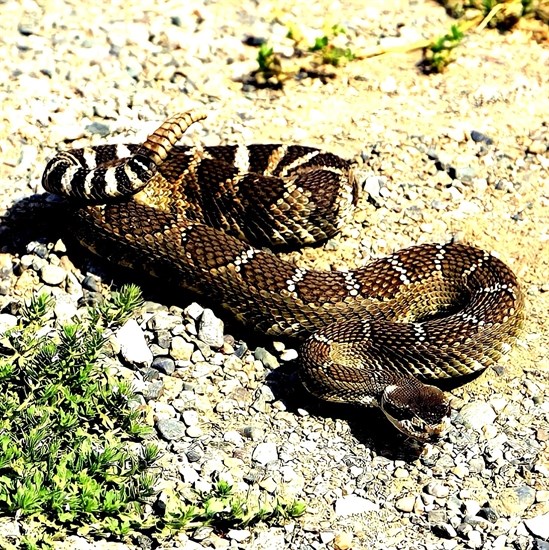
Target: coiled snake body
[372,335]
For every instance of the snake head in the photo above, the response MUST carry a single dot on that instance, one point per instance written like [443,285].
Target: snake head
[416,409]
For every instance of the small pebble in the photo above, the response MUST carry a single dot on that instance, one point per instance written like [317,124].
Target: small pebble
[477,415]
[265,453]
[171,429]
[164,364]
[53,274]
[405,504]
[352,504]
[133,346]
[210,329]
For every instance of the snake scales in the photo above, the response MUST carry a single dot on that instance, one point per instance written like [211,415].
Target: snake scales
[426,312]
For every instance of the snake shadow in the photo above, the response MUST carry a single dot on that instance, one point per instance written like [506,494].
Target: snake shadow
[368,425]
[43,218]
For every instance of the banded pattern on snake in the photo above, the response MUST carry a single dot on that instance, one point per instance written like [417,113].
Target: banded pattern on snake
[373,336]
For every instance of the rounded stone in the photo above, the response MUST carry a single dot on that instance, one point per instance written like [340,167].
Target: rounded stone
[477,415]
[171,429]
[266,357]
[164,364]
[180,349]
[210,329]
[405,504]
[53,275]
[437,489]
[265,452]
[133,346]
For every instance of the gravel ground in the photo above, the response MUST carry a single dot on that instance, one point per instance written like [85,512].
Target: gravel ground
[461,155]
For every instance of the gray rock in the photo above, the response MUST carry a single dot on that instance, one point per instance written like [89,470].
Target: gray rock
[480,137]
[513,501]
[210,329]
[164,338]
[267,358]
[171,429]
[437,517]
[265,453]
[153,390]
[98,128]
[163,320]
[488,513]
[91,282]
[52,275]
[445,530]
[133,346]
[157,351]
[465,173]
[194,454]
[352,504]
[477,415]
[251,432]
[164,364]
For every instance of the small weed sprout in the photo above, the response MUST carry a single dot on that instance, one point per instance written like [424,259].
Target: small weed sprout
[439,54]
[328,52]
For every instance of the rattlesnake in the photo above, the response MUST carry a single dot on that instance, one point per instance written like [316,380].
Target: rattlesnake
[425,312]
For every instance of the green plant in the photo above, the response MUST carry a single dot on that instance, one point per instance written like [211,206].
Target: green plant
[65,424]
[269,72]
[72,454]
[328,52]
[439,54]
[222,508]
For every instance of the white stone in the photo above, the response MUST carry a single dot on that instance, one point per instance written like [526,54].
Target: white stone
[352,504]
[539,526]
[405,504]
[53,275]
[210,329]
[239,535]
[289,355]
[389,85]
[190,418]
[7,321]
[437,489]
[133,346]
[477,415]
[194,311]
[265,453]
